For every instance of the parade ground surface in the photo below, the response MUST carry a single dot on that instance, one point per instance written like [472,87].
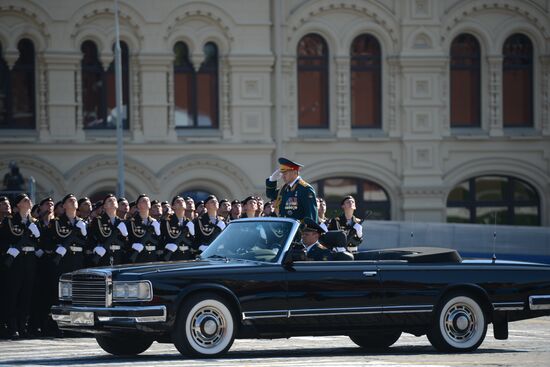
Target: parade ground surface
[527,346]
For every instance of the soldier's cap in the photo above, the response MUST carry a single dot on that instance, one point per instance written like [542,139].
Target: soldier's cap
[4,198]
[235,202]
[107,197]
[187,198]
[288,165]
[224,201]
[141,196]
[132,204]
[45,200]
[20,197]
[199,203]
[121,199]
[155,202]
[310,225]
[164,203]
[210,197]
[35,207]
[58,204]
[82,200]
[176,198]
[268,203]
[97,205]
[67,197]
[248,199]
[346,198]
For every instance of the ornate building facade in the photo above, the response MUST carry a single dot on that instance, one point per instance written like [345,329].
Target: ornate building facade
[425,110]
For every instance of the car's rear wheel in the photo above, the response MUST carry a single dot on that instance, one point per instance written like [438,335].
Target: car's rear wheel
[124,345]
[205,326]
[376,340]
[460,324]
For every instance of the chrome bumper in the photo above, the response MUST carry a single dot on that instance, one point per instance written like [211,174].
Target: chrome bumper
[539,302]
[113,315]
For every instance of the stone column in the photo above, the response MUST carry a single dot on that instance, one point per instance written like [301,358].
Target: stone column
[545,94]
[343,101]
[495,95]
[225,98]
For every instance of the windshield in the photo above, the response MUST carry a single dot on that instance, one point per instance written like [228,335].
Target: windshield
[250,240]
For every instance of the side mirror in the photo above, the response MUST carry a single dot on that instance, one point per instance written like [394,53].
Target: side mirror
[297,252]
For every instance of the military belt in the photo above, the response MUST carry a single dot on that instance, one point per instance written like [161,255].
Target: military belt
[114,247]
[75,248]
[27,248]
[150,248]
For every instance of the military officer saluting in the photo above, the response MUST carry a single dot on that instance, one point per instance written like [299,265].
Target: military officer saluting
[311,232]
[296,198]
[143,233]
[349,223]
[108,235]
[177,233]
[209,225]
[19,235]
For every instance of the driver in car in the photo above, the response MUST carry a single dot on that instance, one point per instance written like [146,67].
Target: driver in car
[311,231]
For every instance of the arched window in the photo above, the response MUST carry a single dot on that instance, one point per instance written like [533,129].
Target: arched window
[465,82]
[17,90]
[196,194]
[369,196]
[517,81]
[486,199]
[99,89]
[312,82]
[366,82]
[196,93]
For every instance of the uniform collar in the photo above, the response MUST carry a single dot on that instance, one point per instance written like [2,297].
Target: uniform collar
[294,182]
[311,246]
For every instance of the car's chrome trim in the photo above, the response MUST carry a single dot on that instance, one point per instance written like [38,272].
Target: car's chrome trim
[539,302]
[508,306]
[64,313]
[337,311]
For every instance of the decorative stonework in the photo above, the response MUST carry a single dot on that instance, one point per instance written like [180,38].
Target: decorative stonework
[393,70]
[28,165]
[136,125]
[545,95]
[343,101]
[421,9]
[43,100]
[124,17]
[225,103]
[205,11]
[33,17]
[375,14]
[495,95]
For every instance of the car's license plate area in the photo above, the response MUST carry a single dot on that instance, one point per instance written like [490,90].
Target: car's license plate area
[82,318]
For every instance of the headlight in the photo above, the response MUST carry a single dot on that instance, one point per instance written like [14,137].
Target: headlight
[65,290]
[132,291]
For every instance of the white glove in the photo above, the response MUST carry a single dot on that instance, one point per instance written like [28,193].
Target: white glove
[221,224]
[13,252]
[191,227]
[359,229]
[122,228]
[100,250]
[138,247]
[172,247]
[202,248]
[156,226]
[61,250]
[324,226]
[340,249]
[34,230]
[39,253]
[275,175]
[80,224]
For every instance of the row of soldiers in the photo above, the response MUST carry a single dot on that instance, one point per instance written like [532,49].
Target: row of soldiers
[37,248]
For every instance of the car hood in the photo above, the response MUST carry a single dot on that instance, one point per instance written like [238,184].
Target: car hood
[163,267]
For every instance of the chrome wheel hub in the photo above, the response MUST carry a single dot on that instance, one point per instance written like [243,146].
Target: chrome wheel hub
[460,323]
[208,327]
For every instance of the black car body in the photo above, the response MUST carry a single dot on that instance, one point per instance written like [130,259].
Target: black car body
[252,282]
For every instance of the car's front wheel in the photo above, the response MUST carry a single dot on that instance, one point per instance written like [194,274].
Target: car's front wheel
[123,345]
[460,324]
[376,340]
[205,326]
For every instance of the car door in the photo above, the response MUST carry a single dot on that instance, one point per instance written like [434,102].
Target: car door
[333,294]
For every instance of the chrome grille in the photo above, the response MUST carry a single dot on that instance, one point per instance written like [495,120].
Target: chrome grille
[89,289]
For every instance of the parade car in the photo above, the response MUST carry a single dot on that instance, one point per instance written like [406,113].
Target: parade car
[253,281]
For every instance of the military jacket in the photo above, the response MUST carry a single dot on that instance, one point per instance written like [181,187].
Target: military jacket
[205,230]
[318,252]
[67,234]
[104,232]
[174,232]
[139,232]
[297,201]
[15,233]
[341,224]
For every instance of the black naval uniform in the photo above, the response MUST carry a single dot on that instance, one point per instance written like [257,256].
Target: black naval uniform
[68,235]
[110,235]
[318,252]
[22,235]
[176,231]
[143,233]
[206,231]
[342,224]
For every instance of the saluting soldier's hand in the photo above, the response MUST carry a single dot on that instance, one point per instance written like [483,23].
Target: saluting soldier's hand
[275,175]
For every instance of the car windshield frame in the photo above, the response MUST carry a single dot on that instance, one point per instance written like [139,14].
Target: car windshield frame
[278,258]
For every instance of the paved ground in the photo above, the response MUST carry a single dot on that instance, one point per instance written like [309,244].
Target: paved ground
[528,346]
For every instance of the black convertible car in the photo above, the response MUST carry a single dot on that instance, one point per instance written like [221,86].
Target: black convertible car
[253,282]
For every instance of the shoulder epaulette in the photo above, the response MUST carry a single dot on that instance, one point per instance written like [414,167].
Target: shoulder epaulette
[303,183]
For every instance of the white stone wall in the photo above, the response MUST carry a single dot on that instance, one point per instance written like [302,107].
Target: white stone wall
[415,156]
